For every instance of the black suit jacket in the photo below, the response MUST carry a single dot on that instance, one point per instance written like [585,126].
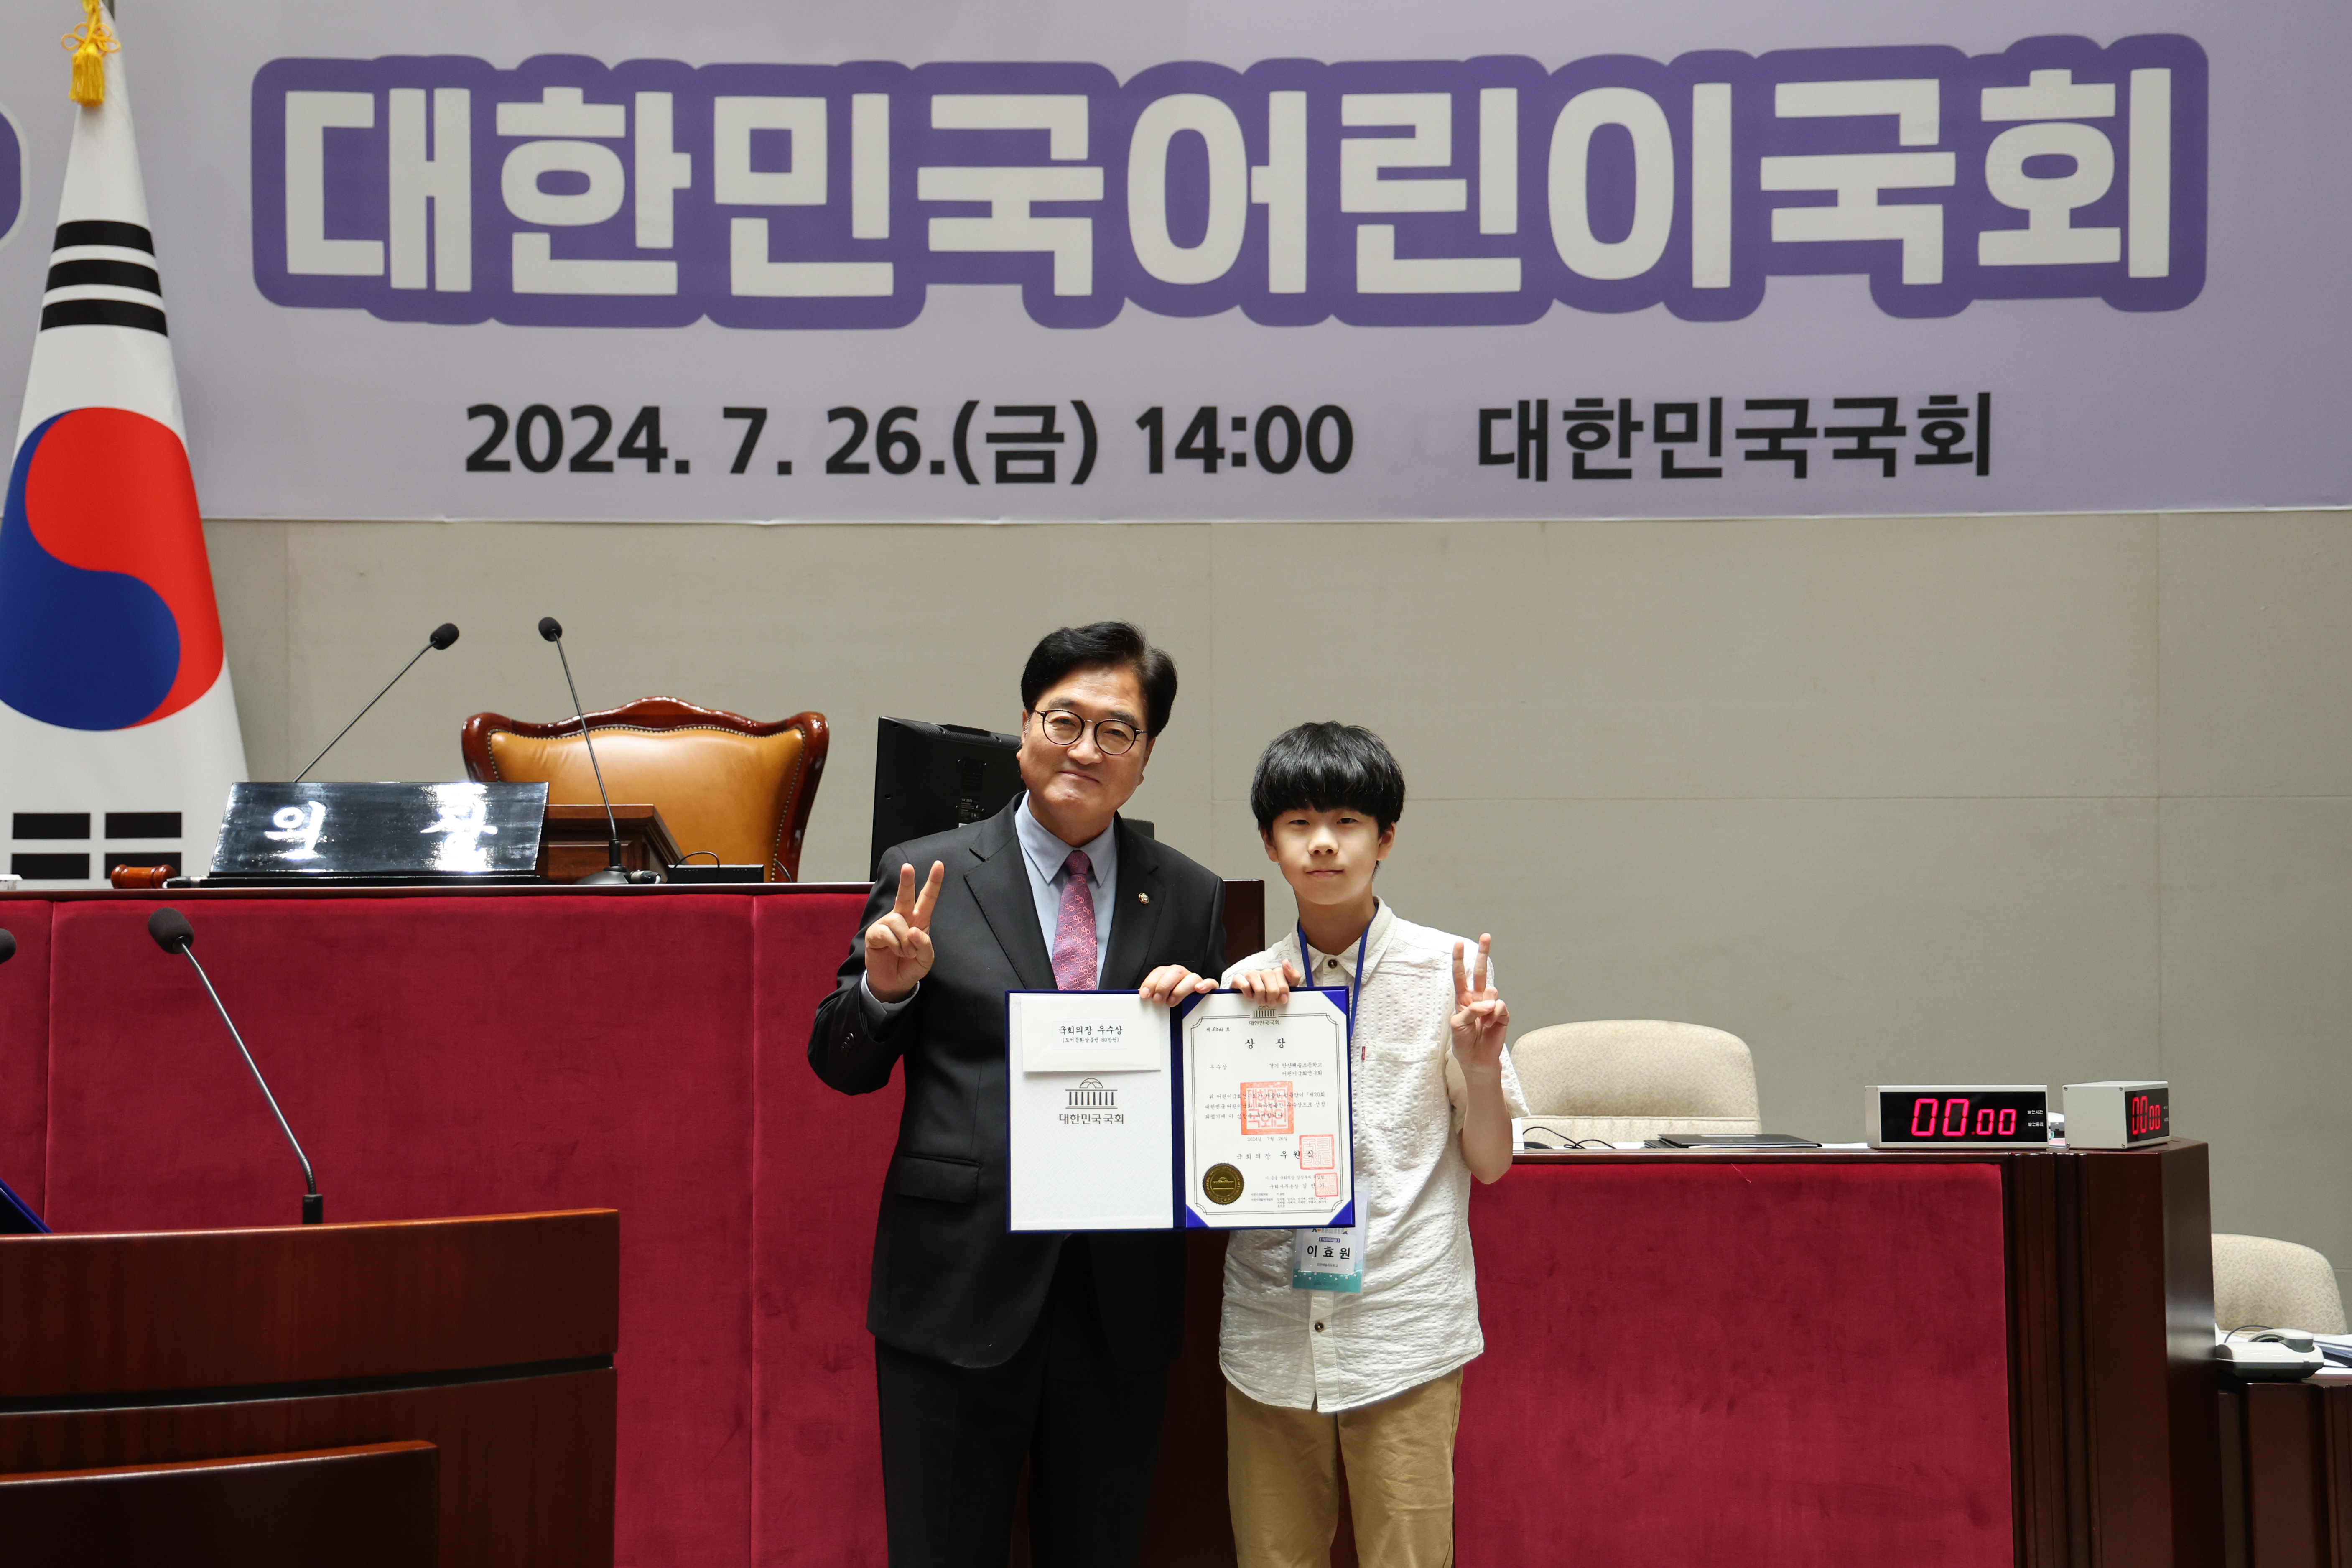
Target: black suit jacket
[949,1280]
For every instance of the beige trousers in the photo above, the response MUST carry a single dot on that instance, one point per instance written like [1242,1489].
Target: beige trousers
[1282,1475]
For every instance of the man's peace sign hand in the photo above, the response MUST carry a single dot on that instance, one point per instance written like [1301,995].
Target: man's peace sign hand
[898,945]
[1481,1016]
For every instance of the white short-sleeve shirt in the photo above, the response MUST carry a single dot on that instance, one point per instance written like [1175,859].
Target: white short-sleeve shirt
[1417,1317]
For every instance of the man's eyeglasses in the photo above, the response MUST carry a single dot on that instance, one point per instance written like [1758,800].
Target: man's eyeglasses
[1113,737]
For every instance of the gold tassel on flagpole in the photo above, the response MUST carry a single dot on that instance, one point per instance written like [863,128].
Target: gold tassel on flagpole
[90,44]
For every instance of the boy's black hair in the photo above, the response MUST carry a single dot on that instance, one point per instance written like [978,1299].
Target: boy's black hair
[1327,767]
[1112,644]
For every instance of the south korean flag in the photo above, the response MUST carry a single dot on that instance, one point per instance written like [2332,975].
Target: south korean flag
[118,730]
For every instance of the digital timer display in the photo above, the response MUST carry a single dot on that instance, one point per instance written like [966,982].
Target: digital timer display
[2117,1115]
[1957,1116]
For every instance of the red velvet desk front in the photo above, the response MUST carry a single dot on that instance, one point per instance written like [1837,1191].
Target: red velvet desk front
[1701,1358]
[1839,1358]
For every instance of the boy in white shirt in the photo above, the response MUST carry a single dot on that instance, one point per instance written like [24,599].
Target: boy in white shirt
[1368,1375]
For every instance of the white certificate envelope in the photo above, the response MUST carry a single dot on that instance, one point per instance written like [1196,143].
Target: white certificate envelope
[1088,1031]
[1090,1112]
[1269,1133]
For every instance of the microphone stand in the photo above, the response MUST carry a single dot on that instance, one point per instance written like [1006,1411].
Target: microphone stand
[614,875]
[442,638]
[314,1209]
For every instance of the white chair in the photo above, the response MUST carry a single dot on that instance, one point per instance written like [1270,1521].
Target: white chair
[2274,1283]
[1627,1079]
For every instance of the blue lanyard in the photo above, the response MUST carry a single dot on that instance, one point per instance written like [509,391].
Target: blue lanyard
[1355,981]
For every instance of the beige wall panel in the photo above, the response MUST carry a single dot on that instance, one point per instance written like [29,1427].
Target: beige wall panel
[2258,1009]
[1846,942]
[1877,794]
[248,561]
[1804,656]
[920,622]
[2257,647]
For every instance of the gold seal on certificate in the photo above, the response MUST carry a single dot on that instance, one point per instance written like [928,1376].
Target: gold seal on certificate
[1267,1138]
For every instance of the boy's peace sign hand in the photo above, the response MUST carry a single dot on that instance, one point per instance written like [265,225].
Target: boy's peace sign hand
[898,945]
[1481,1016]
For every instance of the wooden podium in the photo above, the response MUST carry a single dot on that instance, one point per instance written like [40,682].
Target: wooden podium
[391,1395]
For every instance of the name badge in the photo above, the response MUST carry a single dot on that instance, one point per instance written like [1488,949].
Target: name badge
[1331,1260]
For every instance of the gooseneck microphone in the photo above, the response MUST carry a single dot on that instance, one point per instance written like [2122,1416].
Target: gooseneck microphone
[173,933]
[442,636]
[614,875]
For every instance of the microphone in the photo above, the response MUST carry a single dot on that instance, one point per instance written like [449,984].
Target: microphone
[614,875]
[7,945]
[173,933]
[442,636]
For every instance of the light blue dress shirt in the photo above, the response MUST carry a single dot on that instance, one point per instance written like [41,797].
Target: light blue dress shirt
[1044,857]
[1049,879]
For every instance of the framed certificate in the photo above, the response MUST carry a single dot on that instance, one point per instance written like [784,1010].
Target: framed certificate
[1122,1114]
[1268,1135]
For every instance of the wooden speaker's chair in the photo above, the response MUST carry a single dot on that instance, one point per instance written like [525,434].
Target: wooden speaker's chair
[725,783]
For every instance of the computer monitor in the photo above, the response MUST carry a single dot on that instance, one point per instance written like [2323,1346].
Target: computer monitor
[928,778]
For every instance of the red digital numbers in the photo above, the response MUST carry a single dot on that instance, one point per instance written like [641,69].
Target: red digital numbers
[1960,1117]
[2146,1116]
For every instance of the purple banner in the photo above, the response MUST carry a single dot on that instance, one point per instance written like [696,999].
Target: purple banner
[569,193]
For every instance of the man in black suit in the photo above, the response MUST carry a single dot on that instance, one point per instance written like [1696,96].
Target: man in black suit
[991,1347]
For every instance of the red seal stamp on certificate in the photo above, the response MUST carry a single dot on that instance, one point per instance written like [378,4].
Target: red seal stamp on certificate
[1265,1107]
[1314,1154]
[1326,1183]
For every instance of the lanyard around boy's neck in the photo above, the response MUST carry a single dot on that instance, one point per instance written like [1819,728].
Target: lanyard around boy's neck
[1355,981]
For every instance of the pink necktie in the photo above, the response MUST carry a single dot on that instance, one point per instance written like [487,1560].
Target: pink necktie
[1074,930]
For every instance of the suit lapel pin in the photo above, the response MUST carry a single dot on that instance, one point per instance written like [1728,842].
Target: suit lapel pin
[1143,897]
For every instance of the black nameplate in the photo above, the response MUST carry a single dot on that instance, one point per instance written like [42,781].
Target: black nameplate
[296,832]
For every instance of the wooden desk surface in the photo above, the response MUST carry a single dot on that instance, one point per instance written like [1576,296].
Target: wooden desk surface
[224,1308]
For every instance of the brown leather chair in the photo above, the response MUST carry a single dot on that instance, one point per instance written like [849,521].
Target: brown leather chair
[723,783]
